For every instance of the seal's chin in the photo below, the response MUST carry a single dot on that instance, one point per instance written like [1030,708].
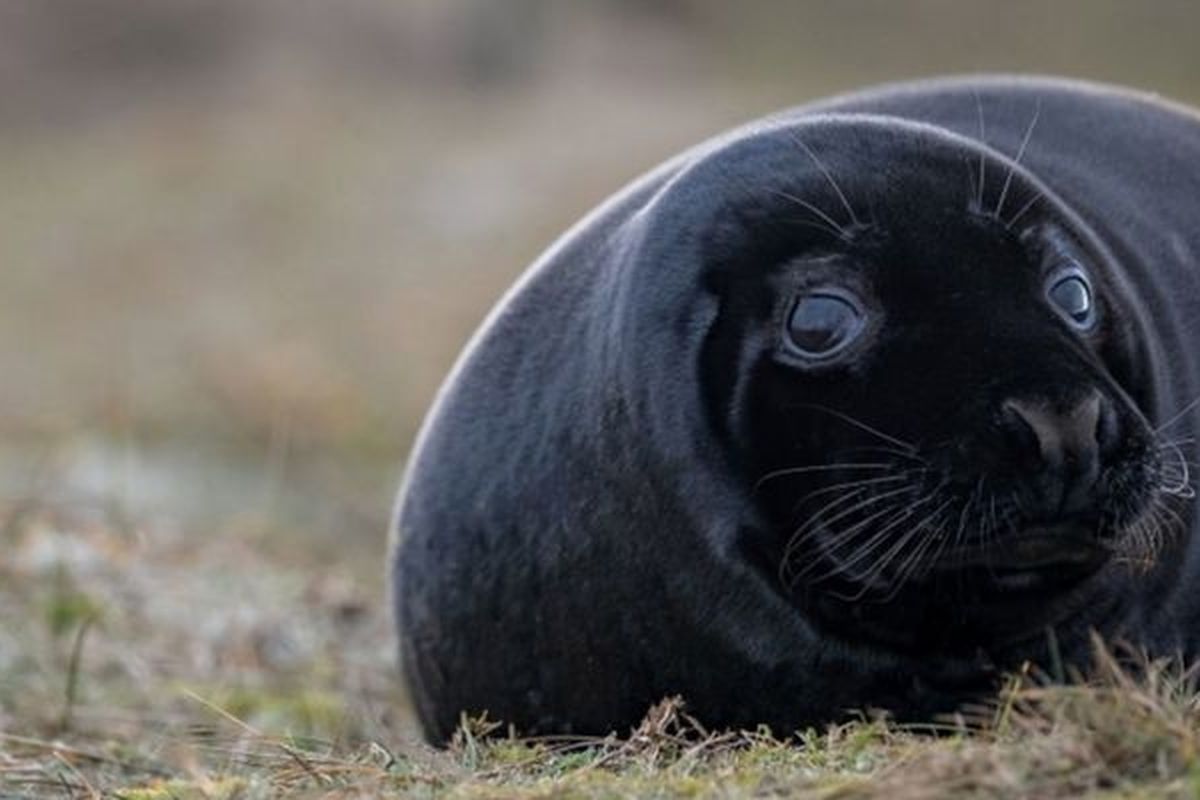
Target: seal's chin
[1032,558]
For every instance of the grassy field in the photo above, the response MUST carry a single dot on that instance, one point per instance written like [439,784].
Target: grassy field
[229,286]
[1115,736]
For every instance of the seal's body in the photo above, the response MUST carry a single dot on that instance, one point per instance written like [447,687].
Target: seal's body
[854,407]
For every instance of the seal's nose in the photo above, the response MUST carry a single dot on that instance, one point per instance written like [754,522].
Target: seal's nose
[1063,445]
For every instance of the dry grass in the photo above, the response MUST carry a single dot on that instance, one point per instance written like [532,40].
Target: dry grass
[1114,736]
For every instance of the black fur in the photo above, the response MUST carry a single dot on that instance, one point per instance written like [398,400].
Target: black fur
[628,487]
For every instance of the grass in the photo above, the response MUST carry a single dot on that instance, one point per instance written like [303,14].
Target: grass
[1116,735]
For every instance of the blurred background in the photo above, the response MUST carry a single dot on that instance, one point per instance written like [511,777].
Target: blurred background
[241,242]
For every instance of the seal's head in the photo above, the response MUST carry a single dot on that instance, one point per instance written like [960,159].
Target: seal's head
[940,396]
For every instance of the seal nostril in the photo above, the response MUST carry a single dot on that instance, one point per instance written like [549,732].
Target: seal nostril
[1065,444]
[1070,436]
[1030,431]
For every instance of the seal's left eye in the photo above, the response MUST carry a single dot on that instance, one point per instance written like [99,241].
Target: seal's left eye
[1072,293]
[822,323]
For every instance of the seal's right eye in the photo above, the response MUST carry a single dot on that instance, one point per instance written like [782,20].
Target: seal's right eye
[822,323]
[1070,291]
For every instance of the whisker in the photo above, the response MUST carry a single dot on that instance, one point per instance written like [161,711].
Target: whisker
[1037,112]
[1178,415]
[797,537]
[897,510]
[920,526]
[842,537]
[1166,509]
[864,549]
[838,539]
[779,473]
[982,141]
[913,563]
[841,196]
[818,226]
[847,495]
[1152,526]
[835,228]
[1038,195]
[843,565]
[891,451]
[858,486]
[886,559]
[810,524]
[911,448]
[1183,485]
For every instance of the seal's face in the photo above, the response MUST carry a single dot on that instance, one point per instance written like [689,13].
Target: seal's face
[944,400]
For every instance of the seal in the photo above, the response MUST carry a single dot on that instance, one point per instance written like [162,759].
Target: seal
[855,407]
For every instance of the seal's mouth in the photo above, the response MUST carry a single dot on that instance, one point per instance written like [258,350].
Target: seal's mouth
[1031,556]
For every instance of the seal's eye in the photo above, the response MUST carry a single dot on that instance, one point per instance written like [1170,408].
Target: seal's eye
[1070,291]
[822,323]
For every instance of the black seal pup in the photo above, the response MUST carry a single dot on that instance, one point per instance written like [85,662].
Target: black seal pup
[856,406]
